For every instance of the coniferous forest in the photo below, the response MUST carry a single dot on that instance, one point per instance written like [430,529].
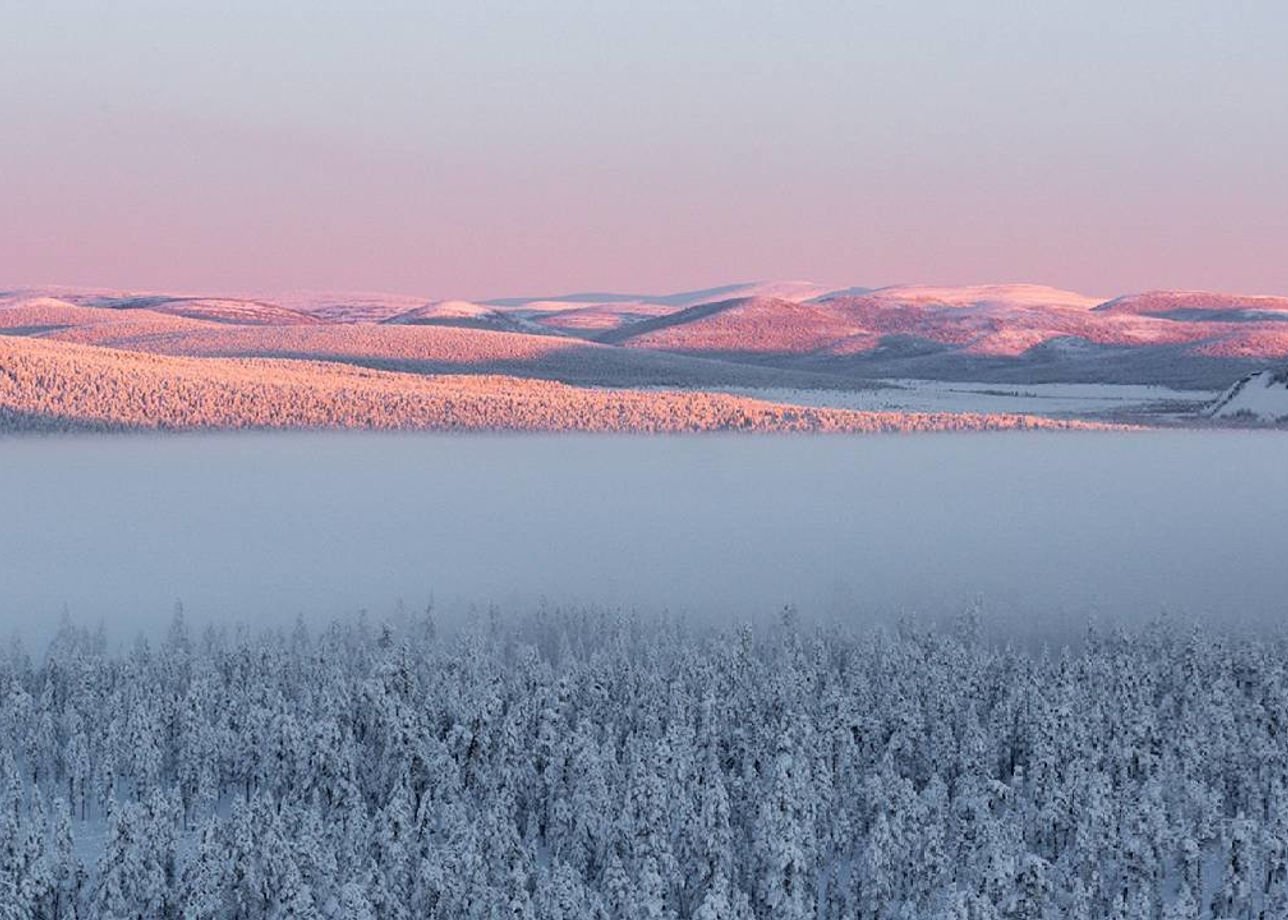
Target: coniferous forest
[592,764]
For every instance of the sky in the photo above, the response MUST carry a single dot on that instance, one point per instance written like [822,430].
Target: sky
[484,149]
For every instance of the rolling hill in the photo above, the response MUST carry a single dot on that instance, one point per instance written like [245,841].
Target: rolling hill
[1003,333]
[60,386]
[735,339]
[1200,306]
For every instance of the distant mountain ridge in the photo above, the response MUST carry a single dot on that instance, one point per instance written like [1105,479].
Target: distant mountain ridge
[1200,304]
[1005,333]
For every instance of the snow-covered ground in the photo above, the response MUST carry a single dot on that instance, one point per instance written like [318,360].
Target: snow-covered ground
[1061,400]
[1261,397]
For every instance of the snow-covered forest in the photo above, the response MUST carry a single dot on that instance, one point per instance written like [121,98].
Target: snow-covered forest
[590,764]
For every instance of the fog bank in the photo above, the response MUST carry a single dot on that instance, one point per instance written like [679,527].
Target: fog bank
[1043,528]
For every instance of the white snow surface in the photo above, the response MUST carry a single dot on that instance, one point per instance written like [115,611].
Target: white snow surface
[1262,396]
[1056,400]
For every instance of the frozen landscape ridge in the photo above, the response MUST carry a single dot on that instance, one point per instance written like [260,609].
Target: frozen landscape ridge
[765,356]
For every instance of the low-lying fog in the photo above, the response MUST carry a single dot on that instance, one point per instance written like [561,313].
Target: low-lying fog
[1043,528]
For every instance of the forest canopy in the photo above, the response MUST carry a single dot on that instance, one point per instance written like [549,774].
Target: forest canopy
[579,763]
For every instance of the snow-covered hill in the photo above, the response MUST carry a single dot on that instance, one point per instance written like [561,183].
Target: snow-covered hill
[53,385]
[1260,397]
[838,337]
[460,313]
[1200,305]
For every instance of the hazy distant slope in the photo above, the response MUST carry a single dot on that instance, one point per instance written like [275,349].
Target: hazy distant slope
[214,309]
[747,325]
[978,296]
[1200,306]
[848,322]
[37,315]
[348,306]
[53,317]
[782,290]
[587,320]
[292,307]
[593,315]
[437,349]
[458,313]
[47,385]
[1013,333]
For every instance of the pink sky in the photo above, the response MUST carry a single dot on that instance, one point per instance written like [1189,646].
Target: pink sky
[591,147]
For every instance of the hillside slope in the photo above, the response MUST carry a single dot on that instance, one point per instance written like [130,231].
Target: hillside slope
[1261,397]
[1001,333]
[1200,305]
[49,385]
[762,334]
[743,326]
[427,348]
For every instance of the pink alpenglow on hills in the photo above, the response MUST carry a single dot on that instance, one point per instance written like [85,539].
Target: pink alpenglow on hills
[761,356]
[59,386]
